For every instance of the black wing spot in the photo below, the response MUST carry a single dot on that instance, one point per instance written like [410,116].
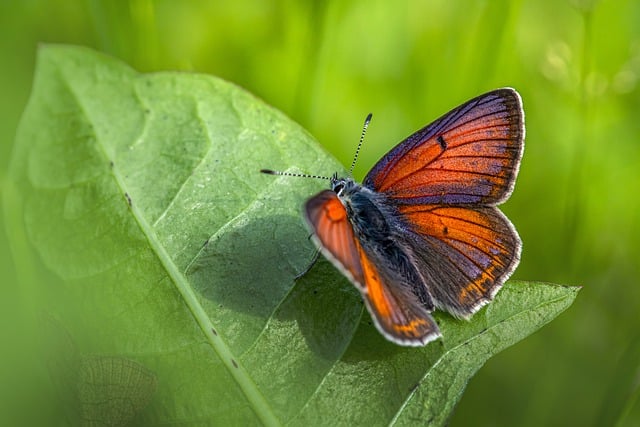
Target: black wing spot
[445,230]
[442,142]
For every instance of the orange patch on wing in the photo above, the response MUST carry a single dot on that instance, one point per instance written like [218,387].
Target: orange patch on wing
[374,287]
[335,210]
[412,328]
[475,290]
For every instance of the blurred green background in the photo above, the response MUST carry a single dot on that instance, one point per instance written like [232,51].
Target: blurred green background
[328,63]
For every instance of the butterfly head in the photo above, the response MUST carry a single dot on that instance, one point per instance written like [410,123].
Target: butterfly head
[341,185]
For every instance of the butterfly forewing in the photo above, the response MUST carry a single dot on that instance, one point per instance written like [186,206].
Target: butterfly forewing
[328,220]
[470,155]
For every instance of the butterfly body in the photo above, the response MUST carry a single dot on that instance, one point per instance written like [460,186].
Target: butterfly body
[423,231]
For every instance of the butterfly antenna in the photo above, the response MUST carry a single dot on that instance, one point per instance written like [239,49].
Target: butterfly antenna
[298,175]
[364,131]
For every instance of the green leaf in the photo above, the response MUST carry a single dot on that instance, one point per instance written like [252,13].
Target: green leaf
[167,253]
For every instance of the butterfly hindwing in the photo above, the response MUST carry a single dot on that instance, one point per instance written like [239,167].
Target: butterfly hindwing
[471,155]
[464,255]
[395,309]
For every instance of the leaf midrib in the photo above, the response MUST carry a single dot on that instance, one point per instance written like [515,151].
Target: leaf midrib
[259,404]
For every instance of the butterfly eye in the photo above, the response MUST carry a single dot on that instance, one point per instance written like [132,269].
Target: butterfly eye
[338,187]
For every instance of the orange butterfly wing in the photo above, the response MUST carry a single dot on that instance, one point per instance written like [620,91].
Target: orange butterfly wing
[465,254]
[398,314]
[445,180]
[327,218]
[471,155]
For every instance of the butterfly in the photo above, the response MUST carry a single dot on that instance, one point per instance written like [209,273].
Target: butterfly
[422,232]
